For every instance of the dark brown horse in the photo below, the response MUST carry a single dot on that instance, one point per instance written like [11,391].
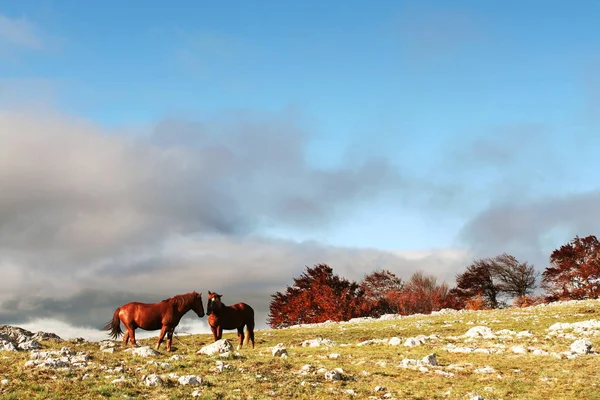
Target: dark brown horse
[236,316]
[164,316]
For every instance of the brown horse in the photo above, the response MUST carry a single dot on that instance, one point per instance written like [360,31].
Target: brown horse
[236,316]
[164,316]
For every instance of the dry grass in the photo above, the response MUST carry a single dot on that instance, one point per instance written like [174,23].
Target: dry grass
[257,374]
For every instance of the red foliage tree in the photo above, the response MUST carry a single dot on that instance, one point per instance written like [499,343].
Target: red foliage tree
[422,294]
[574,271]
[317,295]
[381,293]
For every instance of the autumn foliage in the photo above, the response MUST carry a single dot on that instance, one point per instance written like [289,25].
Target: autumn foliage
[381,293]
[574,271]
[422,294]
[317,295]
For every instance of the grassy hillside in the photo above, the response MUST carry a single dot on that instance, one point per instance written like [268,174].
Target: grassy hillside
[520,358]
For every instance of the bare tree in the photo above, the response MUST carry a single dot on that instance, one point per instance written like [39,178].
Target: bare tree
[515,278]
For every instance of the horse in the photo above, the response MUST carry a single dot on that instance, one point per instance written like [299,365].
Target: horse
[164,315]
[236,316]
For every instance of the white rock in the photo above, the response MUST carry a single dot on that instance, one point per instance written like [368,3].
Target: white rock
[109,350]
[6,345]
[144,351]
[333,375]
[196,393]
[485,370]
[120,379]
[429,360]
[581,346]
[4,382]
[379,389]
[480,332]
[334,356]
[524,334]
[29,345]
[395,341]
[190,380]
[218,347]
[318,342]
[411,342]
[518,349]
[152,380]
[279,350]
[177,357]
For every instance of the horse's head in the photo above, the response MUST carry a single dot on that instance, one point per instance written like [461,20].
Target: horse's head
[197,305]
[213,303]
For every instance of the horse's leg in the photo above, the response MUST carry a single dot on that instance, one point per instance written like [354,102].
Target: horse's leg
[240,336]
[126,338]
[220,332]
[169,339]
[215,332]
[250,327]
[163,330]
[131,333]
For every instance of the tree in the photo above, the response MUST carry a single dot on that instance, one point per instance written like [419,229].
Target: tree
[381,293]
[574,271]
[478,280]
[317,295]
[515,278]
[421,294]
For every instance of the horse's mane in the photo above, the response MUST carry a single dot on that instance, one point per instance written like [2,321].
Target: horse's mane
[181,299]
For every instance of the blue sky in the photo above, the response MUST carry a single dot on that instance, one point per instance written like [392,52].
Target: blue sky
[389,125]
[397,79]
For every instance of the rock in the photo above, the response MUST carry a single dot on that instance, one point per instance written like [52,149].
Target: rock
[333,375]
[279,351]
[429,360]
[412,341]
[379,389]
[29,345]
[334,356]
[109,350]
[518,349]
[395,341]
[190,380]
[480,332]
[144,351]
[119,380]
[177,357]
[485,370]
[218,347]
[152,380]
[107,344]
[46,336]
[318,342]
[581,346]
[6,345]
[196,393]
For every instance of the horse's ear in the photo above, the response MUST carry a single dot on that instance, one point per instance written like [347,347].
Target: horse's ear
[209,292]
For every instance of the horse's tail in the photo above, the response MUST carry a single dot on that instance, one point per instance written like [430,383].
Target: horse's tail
[250,326]
[114,325]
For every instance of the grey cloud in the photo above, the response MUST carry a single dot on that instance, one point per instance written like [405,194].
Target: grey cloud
[74,193]
[247,269]
[533,229]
